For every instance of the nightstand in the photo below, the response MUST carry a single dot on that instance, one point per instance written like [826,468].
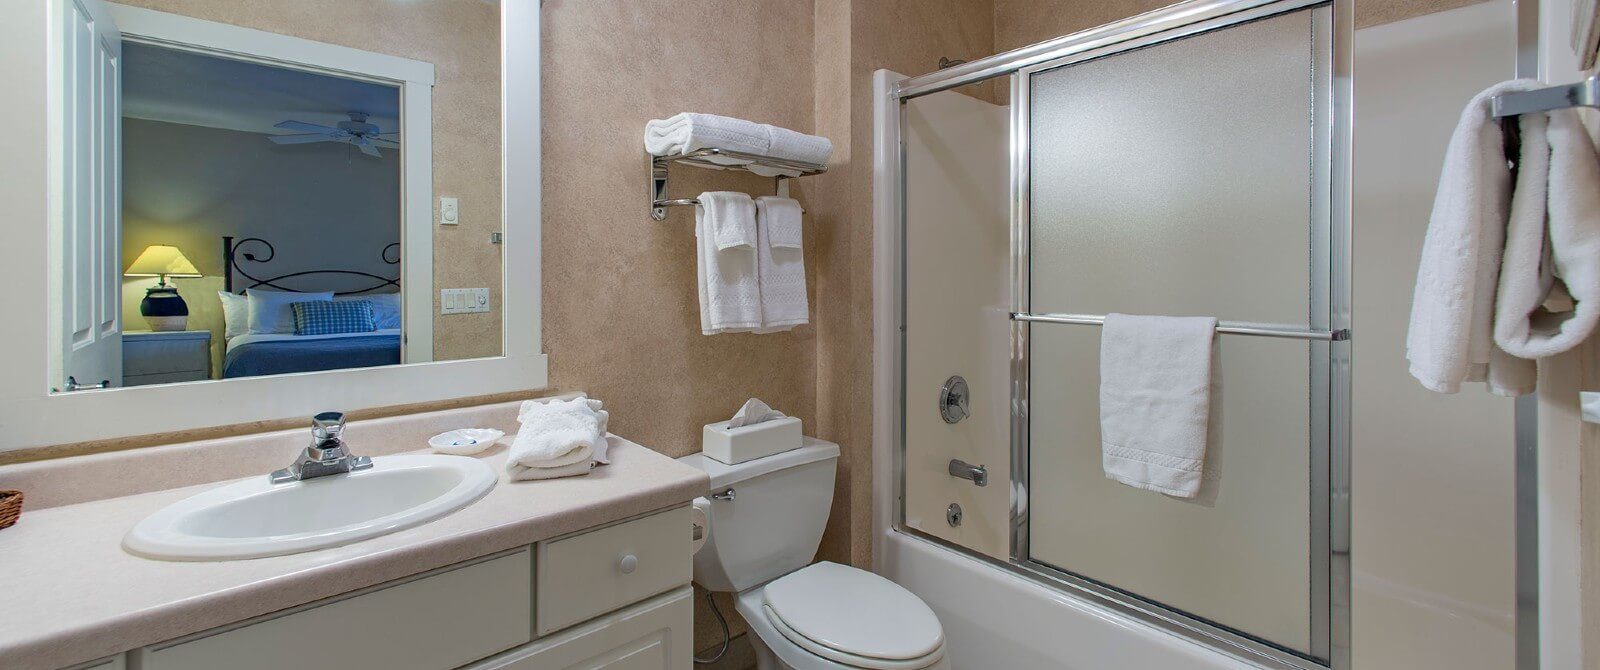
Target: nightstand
[150,357]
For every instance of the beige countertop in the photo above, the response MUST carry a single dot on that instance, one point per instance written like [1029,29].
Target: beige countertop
[71,594]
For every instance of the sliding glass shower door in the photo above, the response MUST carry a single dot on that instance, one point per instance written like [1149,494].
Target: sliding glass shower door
[1190,170]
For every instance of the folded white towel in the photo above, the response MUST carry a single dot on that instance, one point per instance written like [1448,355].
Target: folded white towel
[781,264]
[729,285]
[1451,335]
[688,132]
[1567,209]
[557,434]
[569,470]
[1155,400]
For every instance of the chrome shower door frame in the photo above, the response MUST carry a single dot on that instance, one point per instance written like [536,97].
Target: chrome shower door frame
[1329,361]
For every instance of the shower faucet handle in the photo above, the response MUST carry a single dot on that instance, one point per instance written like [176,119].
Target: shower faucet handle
[977,474]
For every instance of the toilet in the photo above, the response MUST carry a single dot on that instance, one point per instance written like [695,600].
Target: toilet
[765,519]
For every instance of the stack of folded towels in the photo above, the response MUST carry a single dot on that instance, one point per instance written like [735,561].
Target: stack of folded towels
[558,438]
[688,132]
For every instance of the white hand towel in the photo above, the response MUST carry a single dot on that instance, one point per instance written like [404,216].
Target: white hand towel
[730,218]
[569,470]
[795,146]
[729,285]
[1568,211]
[557,434]
[687,132]
[1451,335]
[781,264]
[1155,400]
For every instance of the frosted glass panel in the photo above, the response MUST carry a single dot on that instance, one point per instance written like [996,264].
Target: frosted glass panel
[1176,179]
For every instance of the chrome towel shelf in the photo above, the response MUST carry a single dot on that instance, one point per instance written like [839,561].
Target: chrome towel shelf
[659,202]
[1228,327]
[1585,93]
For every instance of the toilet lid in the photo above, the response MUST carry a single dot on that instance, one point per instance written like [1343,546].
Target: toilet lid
[855,612]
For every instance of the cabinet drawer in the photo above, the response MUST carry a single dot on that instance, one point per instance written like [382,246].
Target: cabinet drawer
[586,575]
[146,358]
[653,635]
[439,621]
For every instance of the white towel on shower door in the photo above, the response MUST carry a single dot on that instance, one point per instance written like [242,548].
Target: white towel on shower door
[1451,336]
[1156,374]
[729,286]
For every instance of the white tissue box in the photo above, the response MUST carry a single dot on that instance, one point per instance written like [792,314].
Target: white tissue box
[737,445]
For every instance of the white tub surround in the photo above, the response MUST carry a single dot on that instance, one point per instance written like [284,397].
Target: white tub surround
[74,595]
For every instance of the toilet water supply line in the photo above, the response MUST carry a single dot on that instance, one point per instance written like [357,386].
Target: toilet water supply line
[726,639]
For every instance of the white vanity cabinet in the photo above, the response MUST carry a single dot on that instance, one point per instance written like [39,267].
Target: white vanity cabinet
[617,596]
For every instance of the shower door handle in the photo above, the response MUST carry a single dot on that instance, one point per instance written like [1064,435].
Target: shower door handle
[976,474]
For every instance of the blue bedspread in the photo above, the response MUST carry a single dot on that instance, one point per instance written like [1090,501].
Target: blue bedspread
[280,356]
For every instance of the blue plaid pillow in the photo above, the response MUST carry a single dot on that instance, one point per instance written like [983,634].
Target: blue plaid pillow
[327,317]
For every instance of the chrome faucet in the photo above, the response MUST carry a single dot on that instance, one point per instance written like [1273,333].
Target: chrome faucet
[326,455]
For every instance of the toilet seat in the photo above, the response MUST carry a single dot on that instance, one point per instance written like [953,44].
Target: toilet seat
[853,617]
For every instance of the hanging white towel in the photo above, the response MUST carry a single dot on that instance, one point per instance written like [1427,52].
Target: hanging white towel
[781,264]
[1451,334]
[1155,400]
[730,290]
[1554,236]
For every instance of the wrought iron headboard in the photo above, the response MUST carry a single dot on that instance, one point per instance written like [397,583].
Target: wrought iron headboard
[233,253]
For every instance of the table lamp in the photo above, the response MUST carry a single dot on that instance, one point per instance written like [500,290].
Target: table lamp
[162,307]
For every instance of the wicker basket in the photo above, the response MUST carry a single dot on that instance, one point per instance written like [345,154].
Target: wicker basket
[10,507]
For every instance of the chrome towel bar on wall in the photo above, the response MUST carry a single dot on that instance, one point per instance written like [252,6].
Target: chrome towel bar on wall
[1227,327]
[709,158]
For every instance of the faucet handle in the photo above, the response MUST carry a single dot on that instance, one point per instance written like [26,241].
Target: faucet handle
[327,426]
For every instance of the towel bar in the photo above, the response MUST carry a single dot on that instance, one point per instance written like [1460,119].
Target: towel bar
[703,158]
[1585,93]
[1228,327]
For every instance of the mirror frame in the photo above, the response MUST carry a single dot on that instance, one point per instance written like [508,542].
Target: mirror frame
[30,416]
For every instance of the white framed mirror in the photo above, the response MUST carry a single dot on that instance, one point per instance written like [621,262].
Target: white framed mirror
[246,216]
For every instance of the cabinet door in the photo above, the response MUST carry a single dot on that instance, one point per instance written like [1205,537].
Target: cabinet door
[653,635]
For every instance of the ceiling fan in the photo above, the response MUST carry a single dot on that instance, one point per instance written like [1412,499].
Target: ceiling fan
[356,132]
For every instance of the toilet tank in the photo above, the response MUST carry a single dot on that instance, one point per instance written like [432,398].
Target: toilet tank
[774,521]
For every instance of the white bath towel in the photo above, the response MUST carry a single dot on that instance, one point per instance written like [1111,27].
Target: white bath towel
[558,434]
[781,264]
[1554,236]
[1155,400]
[730,288]
[687,132]
[1451,334]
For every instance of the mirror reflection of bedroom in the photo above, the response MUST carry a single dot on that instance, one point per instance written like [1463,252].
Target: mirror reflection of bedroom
[244,202]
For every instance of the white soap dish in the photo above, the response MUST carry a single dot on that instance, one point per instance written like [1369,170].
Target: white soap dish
[465,442]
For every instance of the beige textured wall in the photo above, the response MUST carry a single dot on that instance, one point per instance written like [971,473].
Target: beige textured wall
[461,39]
[621,312]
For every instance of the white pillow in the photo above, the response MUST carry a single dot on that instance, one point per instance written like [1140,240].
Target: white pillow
[270,311]
[235,314]
[385,307]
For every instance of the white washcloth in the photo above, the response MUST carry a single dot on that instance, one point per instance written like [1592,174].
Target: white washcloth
[569,470]
[1451,335]
[730,288]
[781,264]
[687,132]
[1567,209]
[1155,400]
[558,434]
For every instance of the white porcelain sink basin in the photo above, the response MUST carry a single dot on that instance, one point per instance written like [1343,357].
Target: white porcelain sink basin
[253,517]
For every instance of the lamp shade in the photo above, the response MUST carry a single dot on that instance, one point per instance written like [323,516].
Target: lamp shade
[159,260]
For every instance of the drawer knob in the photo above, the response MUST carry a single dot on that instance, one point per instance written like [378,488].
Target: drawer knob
[628,564]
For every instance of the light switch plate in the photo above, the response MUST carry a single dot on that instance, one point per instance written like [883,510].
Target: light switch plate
[463,300]
[449,211]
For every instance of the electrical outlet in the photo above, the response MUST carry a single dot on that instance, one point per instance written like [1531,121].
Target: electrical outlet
[463,300]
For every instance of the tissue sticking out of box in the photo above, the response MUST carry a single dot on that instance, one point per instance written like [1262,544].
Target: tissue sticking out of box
[753,412]
[756,431]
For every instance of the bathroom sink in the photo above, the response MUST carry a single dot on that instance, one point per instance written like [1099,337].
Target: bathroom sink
[253,517]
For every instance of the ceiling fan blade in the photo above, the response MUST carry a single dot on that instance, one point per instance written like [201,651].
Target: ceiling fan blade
[380,142]
[369,150]
[300,139]
[304,127]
